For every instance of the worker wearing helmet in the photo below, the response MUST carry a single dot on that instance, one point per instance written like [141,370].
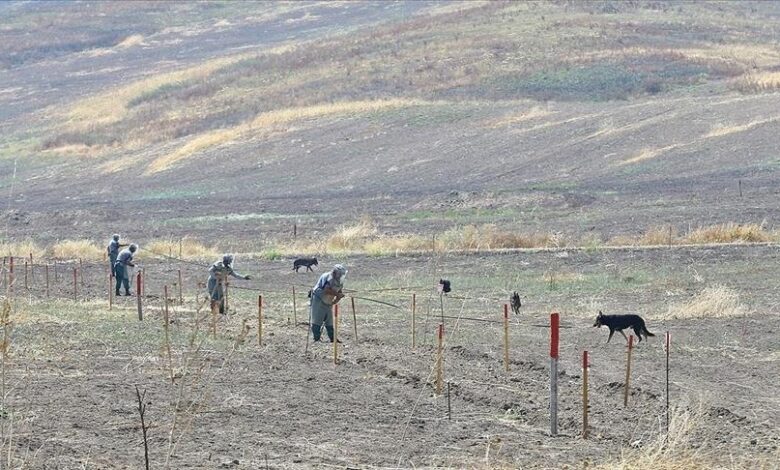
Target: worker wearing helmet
[218,273]
[123,262]
[326,293]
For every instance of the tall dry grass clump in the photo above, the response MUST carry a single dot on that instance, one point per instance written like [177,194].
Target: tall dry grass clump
[713,301]
[352,237]
[490,237]
[730,233]
[759,82]
[672,451]
[21,249]
[77,249]
[185,248]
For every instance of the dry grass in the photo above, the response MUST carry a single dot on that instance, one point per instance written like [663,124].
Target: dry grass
[77,249]
[112,106]
[723,233]
[733,129]
[131,41]
[186,248]
[21,249]
[759,82]
[730,233]
[273,121]
[714,301]
[491,237]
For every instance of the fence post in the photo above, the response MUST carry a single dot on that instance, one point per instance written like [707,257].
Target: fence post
[585,366]
[166,326]
[506,337]
[554,338]
[628,369]
[295,308]
[138,287]
[260,320]
[26,285]
[47,280]
[75,284]
[110,293]
[414,320]
[440,360]
[181,294]
[32,270]
[354,319]
[336,334]
[668,344]
[11,275]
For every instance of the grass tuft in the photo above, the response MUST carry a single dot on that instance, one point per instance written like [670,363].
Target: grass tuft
[712,302]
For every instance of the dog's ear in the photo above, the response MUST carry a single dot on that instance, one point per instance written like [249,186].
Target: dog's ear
[600,314]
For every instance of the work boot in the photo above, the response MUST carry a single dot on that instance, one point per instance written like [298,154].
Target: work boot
[316,331]
[118,294]
[329,329]
[127,293]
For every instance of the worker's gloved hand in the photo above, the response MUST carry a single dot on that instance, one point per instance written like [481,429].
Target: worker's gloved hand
[246,278]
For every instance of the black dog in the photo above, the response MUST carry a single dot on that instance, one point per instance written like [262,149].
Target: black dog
[307,262]
[621,322]
[514,301]
[445,286]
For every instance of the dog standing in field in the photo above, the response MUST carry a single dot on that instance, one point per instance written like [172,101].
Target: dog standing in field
[621,322]
[514,301]
[304,262]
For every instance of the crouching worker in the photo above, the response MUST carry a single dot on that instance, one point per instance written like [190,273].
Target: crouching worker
[326,293]
[121,268]
[218,273]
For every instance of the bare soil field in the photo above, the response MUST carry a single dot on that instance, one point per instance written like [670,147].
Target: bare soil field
[72,367]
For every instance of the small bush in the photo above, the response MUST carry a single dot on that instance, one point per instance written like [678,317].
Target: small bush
[77,249]
[714,301]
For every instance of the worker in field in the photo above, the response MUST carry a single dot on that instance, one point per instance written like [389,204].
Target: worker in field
[218,273]
[113,251]
[325,294]
[121,268]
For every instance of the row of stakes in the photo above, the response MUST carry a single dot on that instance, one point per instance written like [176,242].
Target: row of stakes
[439,359]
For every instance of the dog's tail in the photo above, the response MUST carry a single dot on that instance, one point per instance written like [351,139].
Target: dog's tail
[647,332]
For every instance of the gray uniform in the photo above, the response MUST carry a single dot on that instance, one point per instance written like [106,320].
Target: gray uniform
[321,310]
[124,259]
[113,253]
[218,273]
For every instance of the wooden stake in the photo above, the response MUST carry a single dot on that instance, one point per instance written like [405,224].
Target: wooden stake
[110,293]
[214,308]
[138,288]
[75,285]
[554,339]
[81,271]
[628,370]
[668,344]
[56,275]
[440,360]
[166,324]
[506,337]
[414,326]
[354,319]
[585,366]
[740,188]
[225,298]
[259,320]
[295,308]
[11,274]
[47,280]
[449,403]
[181,293]
[26,286]
[336,334]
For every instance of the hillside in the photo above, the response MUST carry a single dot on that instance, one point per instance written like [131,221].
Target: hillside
[602,117]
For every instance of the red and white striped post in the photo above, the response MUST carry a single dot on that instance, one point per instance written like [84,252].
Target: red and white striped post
[336,335]
[554,338]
